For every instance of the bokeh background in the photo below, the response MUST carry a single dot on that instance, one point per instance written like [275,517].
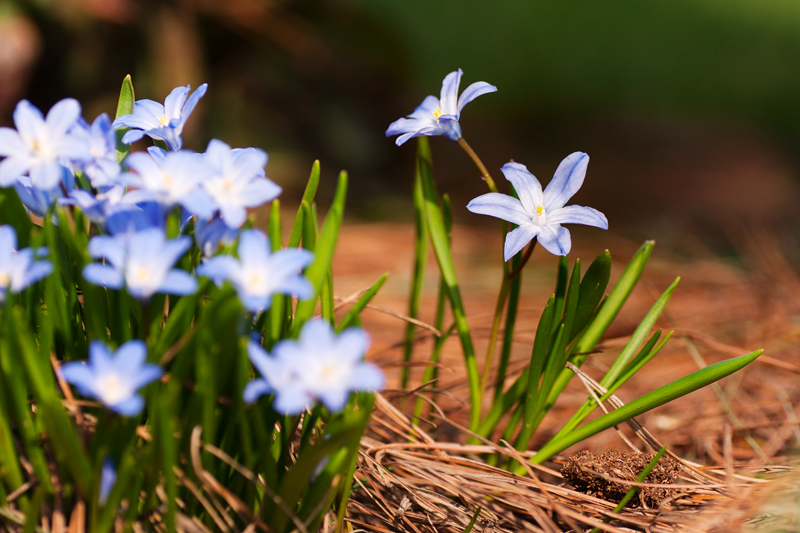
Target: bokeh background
[689,109]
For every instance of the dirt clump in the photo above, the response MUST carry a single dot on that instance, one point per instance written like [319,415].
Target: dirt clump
[598,475]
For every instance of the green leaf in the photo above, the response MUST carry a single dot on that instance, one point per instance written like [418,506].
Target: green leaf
[323,255]
[418,278]
[124,107]
[441,247]
[308,197]
[352,315]
[13,213]
[603,318]
[593,287]
[667,393]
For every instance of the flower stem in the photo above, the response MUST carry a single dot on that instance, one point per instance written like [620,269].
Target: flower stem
[514,273]
[505,287]
[477,160]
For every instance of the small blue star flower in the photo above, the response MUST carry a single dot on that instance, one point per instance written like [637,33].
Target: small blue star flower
[259,273]
[18,268]
[439,116]
[113,379]
[162,122]
[320,366]
[208,235]
[143,264]
[40,147]
[540,214]
[101,165]
[98,207]
[237,181]
[37,201]
[170,178]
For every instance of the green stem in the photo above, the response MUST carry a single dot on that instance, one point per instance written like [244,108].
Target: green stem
[477,160]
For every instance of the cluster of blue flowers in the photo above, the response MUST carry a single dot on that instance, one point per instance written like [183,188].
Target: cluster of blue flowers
[61,159]
[538,214]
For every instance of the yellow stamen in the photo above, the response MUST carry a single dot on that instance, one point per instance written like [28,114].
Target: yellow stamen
[539,210]
[163,120]
[438,113]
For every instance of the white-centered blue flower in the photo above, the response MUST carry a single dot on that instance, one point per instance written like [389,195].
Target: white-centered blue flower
[113,379]
[260,273]
[162,122]
[40,146]
[237,181]
[540,214]
[439,116]
[143,264]
[97,207]
[101,165]
[320,366]
[17,267]
[170,178]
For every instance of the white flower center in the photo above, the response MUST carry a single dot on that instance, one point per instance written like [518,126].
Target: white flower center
[163,120]
[539,217]
[112,390]
[5,279]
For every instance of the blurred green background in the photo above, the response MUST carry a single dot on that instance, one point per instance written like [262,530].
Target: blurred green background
[690,110]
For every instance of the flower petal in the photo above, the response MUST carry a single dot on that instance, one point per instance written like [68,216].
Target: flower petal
[254,389]
[11,143]
[449,95]
[525,184]
[500,206]
[103,275]
[555,239]
[566,181]
[178,282]
[254,248]
[473,91]
[518,238]
[63,116]
[578,214]
[219,269]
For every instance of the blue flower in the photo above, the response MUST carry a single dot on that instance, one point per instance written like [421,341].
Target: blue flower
[540,214]
[98,207]
[209,235]
[439,116]
[38,201]
[113,379]
[40,147]
[258,274]
[108,478]
[162,122]
[18,268]
[143,264]
[170,178]
[237,181]
[101,165]
[319,366]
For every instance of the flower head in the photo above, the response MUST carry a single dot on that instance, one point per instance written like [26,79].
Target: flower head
[143,264]
[40,147]
[439,116]
[101,165]
[113,379]
[237,181]
[259,273]
[17,268]
[319,366]
[162,122]
[540,213]
[170,178]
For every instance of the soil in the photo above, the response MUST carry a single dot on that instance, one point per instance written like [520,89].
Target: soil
[609,475]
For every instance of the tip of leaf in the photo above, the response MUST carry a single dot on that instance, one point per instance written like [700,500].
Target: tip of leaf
[651,242]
